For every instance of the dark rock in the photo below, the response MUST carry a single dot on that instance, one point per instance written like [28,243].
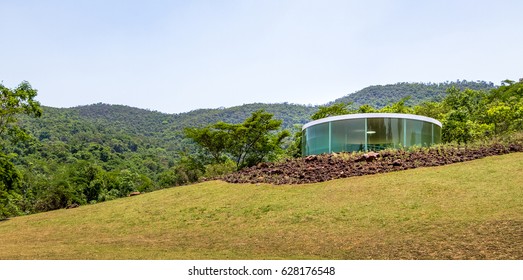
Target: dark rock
[368,157]
[71,206]
[275,171]
[397,163]
[311,158]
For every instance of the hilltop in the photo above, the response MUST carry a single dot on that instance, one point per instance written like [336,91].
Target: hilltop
[379,96]
[148,122]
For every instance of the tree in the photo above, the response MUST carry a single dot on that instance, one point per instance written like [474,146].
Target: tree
[9,180]
[468,100]
[212,139]
[462,122]
[456,128]
[500,115]
[366,109]
[252,142]
[13,102]
[336,109]
[247,144]
[398,107]
[294,148]
[430,109]
[505,107]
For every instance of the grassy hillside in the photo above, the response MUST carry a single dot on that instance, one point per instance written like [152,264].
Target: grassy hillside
[471,210]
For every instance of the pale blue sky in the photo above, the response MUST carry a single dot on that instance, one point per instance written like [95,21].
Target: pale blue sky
[177,56]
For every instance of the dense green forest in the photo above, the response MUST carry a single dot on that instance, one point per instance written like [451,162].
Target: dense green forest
[380,96]
[100,152]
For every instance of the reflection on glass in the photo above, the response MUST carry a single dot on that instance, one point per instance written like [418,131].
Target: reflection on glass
[317,139]
[383,133]
[418,133]
[348,135]
[413,133]
[437,134]
[426,134]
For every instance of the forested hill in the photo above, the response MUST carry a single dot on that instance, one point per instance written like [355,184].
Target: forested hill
[380,96]
[290,114]
[119,132]
[150,123]
[104,124]
[100,152]
[122,128]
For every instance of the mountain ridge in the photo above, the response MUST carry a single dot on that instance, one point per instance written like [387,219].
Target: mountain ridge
[377,96]
[359,97]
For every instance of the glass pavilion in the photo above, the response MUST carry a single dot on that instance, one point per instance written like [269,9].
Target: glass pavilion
[369,132]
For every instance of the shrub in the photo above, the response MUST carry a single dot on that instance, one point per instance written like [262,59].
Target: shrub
[219,169]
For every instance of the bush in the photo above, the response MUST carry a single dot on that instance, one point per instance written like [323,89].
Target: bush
[106,195]
[219,169]
[60,195]
[8,204]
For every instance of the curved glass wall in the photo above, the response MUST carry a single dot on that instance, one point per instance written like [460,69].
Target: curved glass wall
[340,131]
[369,132]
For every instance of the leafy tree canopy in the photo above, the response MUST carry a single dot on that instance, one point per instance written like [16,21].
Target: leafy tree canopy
[247,143]
[13,102]
[336,109]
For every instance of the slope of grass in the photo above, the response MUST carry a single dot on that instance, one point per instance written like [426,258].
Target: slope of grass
[471,210]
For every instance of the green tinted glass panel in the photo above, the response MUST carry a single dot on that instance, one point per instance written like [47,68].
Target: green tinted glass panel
[317,141]
[304,148]
[426,134]
[419,133]
[384,133]
[413,133]
[348,135]
[437,134]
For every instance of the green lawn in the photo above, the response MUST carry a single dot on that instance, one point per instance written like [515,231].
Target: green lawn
[471,210]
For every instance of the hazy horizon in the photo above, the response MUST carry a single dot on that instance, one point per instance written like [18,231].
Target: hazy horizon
[239,105]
